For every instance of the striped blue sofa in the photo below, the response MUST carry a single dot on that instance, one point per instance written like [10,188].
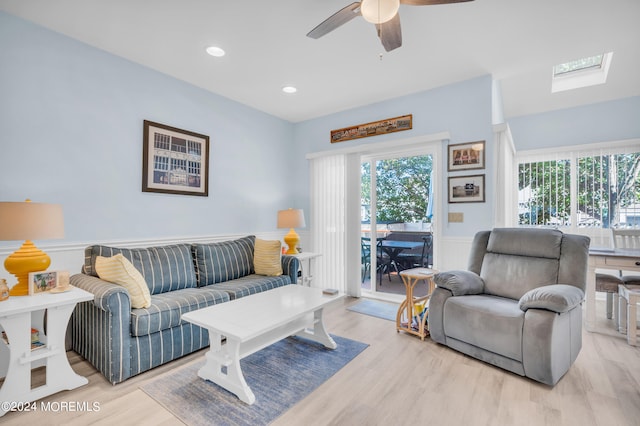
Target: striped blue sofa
[122,342]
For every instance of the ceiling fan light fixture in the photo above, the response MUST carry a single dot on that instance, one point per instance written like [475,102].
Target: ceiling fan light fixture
[215,51]
[379,11]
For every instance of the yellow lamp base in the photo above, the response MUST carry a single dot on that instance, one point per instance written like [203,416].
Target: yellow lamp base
[27,258]
[292,239]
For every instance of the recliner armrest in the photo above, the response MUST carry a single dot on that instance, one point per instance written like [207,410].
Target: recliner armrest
[556,298]
[460,283]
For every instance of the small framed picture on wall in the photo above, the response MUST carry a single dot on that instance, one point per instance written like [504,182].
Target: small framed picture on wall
[466,189]
[466,156]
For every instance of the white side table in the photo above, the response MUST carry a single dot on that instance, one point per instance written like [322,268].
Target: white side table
[17,316]
[306,266]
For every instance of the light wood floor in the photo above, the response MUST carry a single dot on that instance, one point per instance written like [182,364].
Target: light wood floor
[400,380]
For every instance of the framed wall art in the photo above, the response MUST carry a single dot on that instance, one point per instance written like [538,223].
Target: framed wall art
[466,189]
[174,161]
[466,156]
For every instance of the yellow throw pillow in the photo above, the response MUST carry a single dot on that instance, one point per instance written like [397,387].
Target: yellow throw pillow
[267,258]
[118,270]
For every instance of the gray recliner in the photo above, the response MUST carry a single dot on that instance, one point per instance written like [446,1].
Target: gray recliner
[519,304]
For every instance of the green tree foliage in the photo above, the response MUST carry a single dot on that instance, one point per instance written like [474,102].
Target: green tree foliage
[548,182]
[607,183]
[604,185]
[402,188]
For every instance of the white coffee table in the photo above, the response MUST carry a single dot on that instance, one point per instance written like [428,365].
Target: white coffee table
[254,322]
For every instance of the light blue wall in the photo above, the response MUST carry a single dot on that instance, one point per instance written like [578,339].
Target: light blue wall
[71,120]
[463,109]
[602,122]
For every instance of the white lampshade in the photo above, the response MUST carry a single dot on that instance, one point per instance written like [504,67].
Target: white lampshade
[379,11]
[291,218]
[30,221]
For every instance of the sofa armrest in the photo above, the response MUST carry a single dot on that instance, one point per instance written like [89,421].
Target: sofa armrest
[460,283]
[556,298]
[106,296]
[101,328]
[290,266]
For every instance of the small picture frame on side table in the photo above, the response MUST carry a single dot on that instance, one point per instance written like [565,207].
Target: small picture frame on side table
[42,282]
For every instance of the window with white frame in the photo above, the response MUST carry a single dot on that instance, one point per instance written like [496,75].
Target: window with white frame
[580,187]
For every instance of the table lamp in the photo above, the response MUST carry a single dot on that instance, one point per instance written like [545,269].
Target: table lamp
[291,218]
[28,221]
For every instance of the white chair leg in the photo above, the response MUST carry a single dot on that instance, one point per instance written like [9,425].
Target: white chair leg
[616,311]
[622,315]
[609,305]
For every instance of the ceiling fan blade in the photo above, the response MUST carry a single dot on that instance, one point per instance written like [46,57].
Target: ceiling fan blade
[339,18]
[390,33]
[430,2]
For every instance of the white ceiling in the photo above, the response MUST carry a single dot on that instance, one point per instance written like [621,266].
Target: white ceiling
[516,41]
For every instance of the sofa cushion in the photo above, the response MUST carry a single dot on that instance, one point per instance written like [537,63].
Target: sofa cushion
[251,284]
[531,242]
[164,268]
[223,261]
[488,322]
[512,276]
[267,257]
[118,270]
[167,308]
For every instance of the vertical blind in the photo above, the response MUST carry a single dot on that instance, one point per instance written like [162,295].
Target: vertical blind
[328,211]
[586,189]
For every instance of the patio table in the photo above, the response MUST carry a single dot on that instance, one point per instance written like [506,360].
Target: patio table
[394,247]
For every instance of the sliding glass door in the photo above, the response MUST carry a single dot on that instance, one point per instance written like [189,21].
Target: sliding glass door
[396,218]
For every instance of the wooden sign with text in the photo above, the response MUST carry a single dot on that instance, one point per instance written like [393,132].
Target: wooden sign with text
[374,128]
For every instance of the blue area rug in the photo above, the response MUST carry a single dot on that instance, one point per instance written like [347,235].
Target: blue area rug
[376,308]
[279,375]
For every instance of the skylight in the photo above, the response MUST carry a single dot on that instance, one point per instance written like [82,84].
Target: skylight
[579,64]
[582,72]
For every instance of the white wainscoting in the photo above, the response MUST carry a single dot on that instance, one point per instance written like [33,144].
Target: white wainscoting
[453,253]
[70,257]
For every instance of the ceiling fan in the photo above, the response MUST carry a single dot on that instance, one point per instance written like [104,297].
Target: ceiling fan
[382,13]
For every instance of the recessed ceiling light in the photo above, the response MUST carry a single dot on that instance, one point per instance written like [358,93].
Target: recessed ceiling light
[289,89]
[215,51]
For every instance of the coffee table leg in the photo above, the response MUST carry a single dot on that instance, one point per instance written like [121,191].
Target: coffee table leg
[231,378]
[319,333]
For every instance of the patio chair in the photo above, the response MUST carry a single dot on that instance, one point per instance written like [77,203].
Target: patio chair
[411,259]
[383,262]
[365,257]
